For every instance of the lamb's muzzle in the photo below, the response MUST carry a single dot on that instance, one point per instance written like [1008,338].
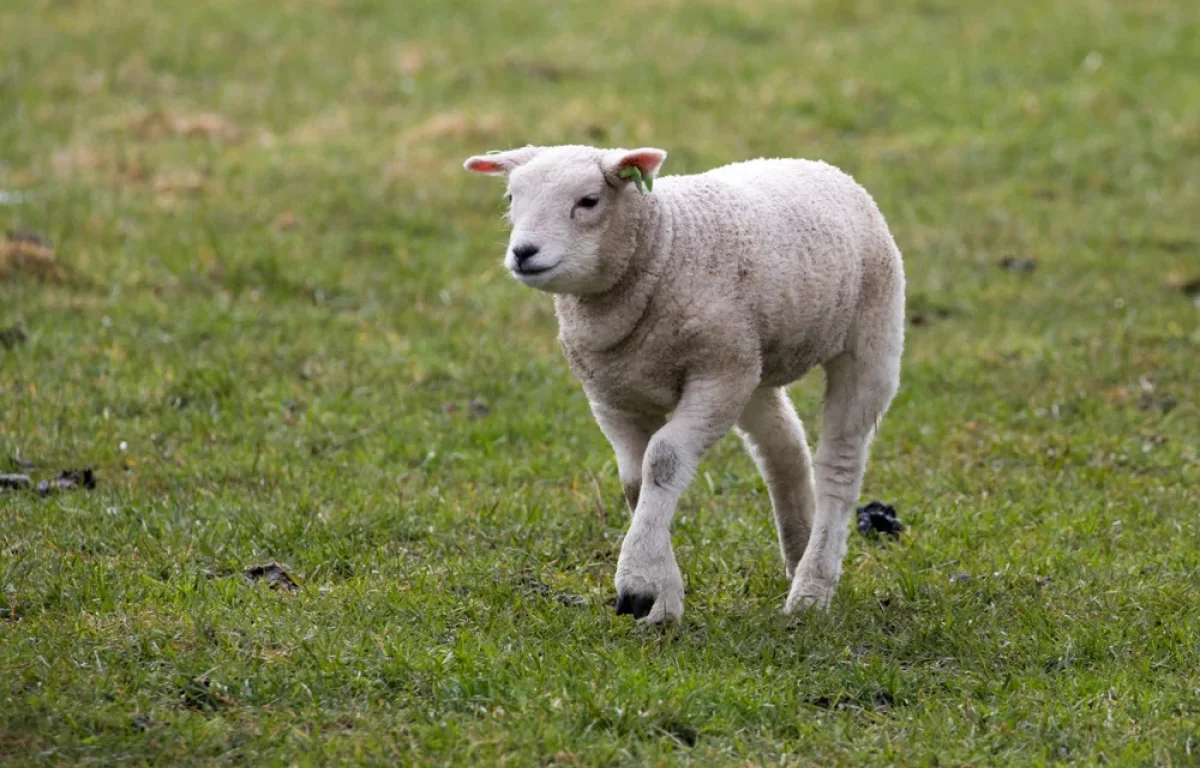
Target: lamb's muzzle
[524,264]
[686,305]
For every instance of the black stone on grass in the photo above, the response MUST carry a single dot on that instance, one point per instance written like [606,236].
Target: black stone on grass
[69,480]
[1013,264]
[14,482]
[876,518]
[13,336]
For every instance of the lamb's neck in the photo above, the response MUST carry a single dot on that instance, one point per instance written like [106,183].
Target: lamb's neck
[603,321]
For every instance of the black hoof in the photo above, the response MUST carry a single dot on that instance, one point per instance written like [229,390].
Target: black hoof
[638,605]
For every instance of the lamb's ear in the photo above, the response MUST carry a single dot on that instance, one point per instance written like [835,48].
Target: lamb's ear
[637,165]
[498,163]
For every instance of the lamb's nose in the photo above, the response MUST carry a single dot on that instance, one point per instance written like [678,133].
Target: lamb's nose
[524,252]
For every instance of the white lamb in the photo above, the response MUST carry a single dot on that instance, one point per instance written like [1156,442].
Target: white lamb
[685,311]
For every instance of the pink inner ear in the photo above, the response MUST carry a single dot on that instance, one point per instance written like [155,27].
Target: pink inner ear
[648,161]
[484,165]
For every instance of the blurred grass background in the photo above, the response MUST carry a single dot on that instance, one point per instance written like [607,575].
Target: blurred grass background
[258,293]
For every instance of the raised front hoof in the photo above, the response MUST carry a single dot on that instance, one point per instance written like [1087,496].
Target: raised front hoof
[648,608]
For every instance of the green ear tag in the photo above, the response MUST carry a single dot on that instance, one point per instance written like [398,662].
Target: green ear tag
[493,152]
[644,184]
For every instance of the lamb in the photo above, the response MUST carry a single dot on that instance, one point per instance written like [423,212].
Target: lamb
[685,306]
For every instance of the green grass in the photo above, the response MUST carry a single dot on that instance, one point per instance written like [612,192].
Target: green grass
[277,289]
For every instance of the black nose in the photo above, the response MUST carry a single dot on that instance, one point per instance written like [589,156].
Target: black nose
[526,251]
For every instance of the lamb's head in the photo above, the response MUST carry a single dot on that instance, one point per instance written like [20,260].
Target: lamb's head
[571,208]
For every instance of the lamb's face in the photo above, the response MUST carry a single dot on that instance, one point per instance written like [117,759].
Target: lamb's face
[560,209]
[562,203]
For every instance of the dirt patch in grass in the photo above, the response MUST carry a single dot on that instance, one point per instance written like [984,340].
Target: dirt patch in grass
[274,575]
[28,255]
[873,701]
[158,124]
[457,125]
[538,589]
[204,695]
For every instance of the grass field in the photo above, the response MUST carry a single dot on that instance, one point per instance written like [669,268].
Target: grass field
[269,309]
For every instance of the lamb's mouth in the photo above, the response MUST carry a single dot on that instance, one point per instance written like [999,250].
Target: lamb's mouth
[533,271]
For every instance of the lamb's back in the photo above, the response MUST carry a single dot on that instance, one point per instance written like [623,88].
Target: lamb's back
[783,245]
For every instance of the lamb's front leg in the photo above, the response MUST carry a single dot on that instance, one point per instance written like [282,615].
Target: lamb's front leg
[628,434]
[649,584]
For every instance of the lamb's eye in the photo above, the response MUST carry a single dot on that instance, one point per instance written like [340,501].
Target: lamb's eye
[591,201]
[508,198]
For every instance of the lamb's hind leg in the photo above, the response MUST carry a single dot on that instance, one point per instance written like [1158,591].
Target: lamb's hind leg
[775,437]
[857,393]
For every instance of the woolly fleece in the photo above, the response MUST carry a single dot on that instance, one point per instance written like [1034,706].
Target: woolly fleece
[685,311]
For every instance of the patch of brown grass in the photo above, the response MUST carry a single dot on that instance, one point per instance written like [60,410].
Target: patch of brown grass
[26,256]
[286,221]
[158,124]
[410,61]
[72,161]
[114,166]
[181,181]
[422,150]
[322,128]
[457,125]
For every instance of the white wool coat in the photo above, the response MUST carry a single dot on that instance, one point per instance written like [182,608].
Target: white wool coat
[765,265]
